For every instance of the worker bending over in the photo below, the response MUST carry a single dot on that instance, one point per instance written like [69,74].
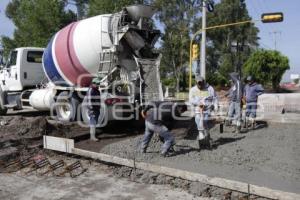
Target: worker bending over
[158,117]
[251,92]
[204,99]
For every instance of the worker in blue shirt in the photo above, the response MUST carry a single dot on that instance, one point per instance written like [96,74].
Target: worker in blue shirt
[251,92]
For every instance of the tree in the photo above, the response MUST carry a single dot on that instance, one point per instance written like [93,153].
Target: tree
[267,66]
[177,17]
[97,7]
[228,48]
[35,21]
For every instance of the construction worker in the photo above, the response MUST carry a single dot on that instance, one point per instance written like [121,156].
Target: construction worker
[158,117]
[251,92]
[204,99]
[235,97]
[94,105]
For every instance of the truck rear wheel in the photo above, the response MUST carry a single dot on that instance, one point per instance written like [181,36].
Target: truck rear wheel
[85,115]
[66,107]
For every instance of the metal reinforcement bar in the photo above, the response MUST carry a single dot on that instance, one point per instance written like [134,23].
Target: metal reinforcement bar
[187,175]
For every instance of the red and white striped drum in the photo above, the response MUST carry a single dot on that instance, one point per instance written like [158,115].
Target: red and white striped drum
[72,56]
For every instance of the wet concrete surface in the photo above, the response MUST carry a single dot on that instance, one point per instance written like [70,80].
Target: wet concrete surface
[268,156]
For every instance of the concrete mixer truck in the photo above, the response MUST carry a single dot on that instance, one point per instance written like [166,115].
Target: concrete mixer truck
[117,48]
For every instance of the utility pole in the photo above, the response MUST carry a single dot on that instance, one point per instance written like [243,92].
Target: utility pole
[203,41]
[275,33]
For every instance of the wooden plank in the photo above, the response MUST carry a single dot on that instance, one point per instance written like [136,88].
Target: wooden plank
[191,176]
[58,144]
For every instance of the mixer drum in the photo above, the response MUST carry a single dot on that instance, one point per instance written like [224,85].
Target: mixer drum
[72,56]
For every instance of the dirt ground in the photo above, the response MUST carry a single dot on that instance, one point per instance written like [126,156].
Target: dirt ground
[98,182]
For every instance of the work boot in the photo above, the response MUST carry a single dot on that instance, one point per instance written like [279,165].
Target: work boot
[164,154]
[253,125]
[238,129]
[172,149]
[144,150]
[201,135]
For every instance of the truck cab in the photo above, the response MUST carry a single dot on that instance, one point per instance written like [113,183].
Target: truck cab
[22,72]
[23,69]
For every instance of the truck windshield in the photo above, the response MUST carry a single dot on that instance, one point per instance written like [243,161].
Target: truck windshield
[12,59]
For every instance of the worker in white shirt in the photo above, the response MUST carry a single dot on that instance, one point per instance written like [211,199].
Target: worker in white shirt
[204,99]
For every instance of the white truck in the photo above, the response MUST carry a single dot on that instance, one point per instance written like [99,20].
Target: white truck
[117,48]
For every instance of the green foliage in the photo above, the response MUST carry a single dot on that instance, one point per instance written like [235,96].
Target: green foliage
[177,17]
[217,79]
[36,21]
[228,47]
[97,7]
[267,67]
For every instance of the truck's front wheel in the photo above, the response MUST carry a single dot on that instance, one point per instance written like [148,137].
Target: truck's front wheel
[66,107]
[3,110]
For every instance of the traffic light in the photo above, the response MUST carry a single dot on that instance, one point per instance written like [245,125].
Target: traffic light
[272,17]
[195,52]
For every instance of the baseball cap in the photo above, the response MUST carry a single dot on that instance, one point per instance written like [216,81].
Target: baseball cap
[199,79]
[249,78]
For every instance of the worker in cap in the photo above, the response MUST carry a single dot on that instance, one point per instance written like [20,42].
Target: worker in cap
[235,97]
[94,105]
[204,99]
[251,92]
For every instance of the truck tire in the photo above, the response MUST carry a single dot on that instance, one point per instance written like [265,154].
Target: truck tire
[102,121]
[66,106]
[3,110]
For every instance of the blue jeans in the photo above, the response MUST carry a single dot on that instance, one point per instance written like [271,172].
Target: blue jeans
[202,120]
[162,131]
[94,117]
[234,112]
[251,109]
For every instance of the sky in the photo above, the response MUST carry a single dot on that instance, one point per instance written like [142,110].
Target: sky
[287,32]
